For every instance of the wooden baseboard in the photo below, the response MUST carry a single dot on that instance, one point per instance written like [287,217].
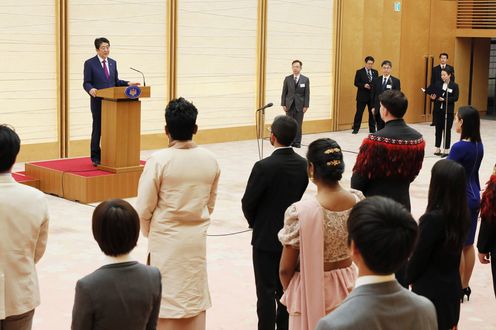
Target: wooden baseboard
[44,151]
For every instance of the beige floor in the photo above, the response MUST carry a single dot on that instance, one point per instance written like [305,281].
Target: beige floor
[72,252]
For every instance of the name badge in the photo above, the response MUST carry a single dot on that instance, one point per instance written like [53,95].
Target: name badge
[450,90]
[389,86]
[302,85]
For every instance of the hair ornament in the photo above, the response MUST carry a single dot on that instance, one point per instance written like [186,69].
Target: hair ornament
[331,151]
[333,162]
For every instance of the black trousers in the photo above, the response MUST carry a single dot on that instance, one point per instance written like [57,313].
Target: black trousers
[269,291]
[96,113]
[357,122]
[298,116]
[440,123]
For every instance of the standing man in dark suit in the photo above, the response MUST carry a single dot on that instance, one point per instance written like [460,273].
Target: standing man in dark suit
[295,97]
[390,159]
[274,184]
[436,77]
[100,72]
[381,84]
[363,82]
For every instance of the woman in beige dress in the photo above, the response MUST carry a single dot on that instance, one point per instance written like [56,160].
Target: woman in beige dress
[316,270]
[176,195]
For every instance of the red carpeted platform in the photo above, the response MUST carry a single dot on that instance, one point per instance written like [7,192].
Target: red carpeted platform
[21,177]
[77,179]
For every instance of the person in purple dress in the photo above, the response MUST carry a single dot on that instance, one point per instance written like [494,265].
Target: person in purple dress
[469,152]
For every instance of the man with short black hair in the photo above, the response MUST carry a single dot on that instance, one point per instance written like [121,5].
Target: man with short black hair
[23,239]
[295,98]
[381,84]
[363,83]
[100,72]
[382,235]
[275,183]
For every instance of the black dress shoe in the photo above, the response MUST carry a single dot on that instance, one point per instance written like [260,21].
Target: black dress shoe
[354,132]
[444,155]
[438,153]
[95,162]
[434,124]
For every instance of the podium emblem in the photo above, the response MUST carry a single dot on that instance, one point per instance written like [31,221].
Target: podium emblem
[133,92]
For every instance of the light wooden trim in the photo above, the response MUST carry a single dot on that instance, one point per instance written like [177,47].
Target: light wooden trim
[261,53]
[261,65]
[171,60]
[40,151]
[205,136]
[337,41]
[62,76]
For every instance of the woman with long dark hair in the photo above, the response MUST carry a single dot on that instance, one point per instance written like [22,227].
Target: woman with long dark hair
[486,243]
[469,152]
[433,269]
[447,90]
[316,269]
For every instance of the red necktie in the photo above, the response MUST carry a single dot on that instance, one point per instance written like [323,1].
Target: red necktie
[105,69]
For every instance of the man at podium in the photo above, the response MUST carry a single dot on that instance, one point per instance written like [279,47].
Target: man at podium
[100,72]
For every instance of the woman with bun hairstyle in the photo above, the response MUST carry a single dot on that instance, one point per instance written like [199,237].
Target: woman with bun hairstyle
[316,270]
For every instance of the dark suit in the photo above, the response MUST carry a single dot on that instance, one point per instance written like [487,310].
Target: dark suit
[295,97]
[274,184]
[94,77]
[433,269]
[364,98]
[121,296]
[439,112]
[486,243]
[377,89]
[381,306]
[435,77]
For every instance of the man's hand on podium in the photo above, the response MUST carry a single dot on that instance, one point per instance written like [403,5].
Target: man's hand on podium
[133,83]
[93,92]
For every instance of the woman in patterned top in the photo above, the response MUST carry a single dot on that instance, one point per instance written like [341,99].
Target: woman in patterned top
[316,259]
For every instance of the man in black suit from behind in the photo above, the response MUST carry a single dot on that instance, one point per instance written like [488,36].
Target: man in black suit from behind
[436,76]
[274,184]
[363,82]
[381,84]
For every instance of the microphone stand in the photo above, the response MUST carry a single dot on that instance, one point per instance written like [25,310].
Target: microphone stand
[446,116]
[260,131]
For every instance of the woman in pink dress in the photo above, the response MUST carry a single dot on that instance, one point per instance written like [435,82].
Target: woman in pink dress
[316,270]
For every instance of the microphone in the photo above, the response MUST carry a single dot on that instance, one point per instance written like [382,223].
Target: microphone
[266,106]
[144,83]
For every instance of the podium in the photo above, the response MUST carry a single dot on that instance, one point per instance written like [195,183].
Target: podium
[121,130]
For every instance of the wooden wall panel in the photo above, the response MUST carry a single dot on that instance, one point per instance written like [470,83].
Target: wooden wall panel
[414,46]
[462,68]
[481,73]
